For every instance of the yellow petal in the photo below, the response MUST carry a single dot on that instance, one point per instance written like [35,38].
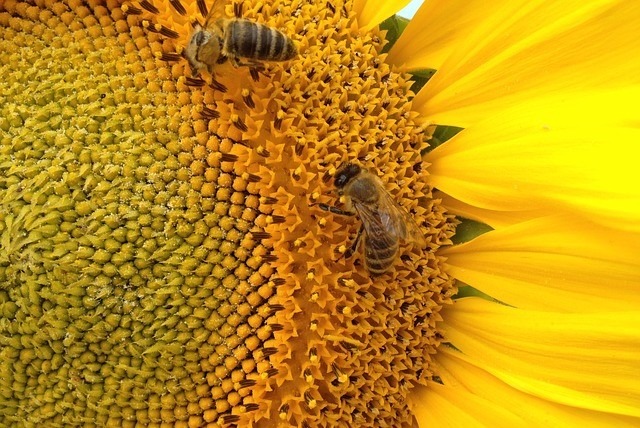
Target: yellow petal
[462,379]
[554,263]
[587,172]
[522,52]
[495,219]
[551,108]
[437,27]
[442,406]
[589,361]
[372,12]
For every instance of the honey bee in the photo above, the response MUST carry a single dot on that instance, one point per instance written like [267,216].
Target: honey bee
[384,223]
[236,39]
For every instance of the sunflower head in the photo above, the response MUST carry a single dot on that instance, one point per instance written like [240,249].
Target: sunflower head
[163,256]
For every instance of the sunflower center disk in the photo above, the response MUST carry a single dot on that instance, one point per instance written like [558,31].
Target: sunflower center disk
[161,259]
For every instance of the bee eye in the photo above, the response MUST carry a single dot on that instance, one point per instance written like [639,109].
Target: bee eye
[340,180]
[344,174]
[199,38]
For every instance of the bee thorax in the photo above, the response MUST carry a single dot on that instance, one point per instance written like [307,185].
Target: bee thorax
[203,49]
[363,190]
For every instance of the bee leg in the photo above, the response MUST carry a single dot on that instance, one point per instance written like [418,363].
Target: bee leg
[235,61]
[356,242]
[256,69]
[257,65]
[354,245]
[334,210]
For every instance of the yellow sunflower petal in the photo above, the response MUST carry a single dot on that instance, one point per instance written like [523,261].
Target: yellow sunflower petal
[553,264]
[436,26]
[551,108]
[372,12]
[535,49]
[591,173]
[495,219]
[443,406]
[589,361]
[462,378]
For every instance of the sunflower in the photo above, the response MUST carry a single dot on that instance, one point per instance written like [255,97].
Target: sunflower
[164,259]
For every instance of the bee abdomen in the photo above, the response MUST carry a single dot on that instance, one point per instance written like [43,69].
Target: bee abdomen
[379,255]
[257,41]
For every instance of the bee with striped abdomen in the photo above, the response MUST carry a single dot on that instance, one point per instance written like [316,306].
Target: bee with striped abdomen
[384,223]
[243,42]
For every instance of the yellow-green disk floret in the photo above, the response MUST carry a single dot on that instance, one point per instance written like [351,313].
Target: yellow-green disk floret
[124,293]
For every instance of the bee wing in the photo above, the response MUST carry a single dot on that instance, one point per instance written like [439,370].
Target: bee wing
[216,11]
[398,221]
[378,224]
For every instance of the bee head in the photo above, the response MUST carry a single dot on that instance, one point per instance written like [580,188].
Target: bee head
[203,48]
[345,174]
